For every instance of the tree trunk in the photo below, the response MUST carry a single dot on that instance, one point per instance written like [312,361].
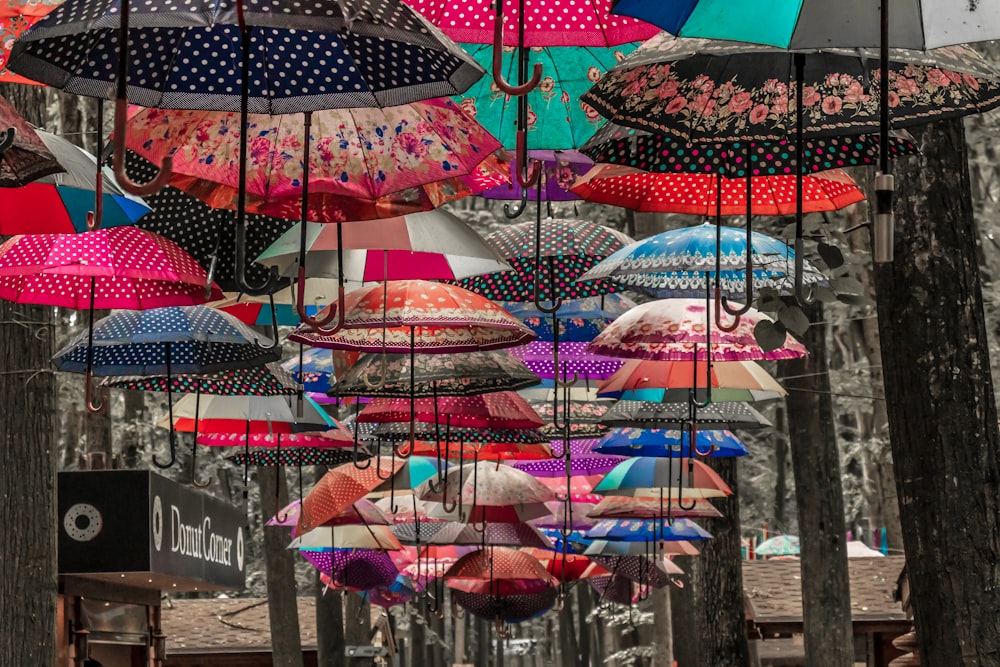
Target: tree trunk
[663,639]
[826,586]
[567,637]
[279,564]
[941,406]
[722,628]
[585,605]
[358,624]
[780,468]
[683,620]
[418,638]
[329,627]
[27,486]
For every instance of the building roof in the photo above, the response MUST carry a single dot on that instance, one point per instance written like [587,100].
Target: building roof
[773,592]
[233,625]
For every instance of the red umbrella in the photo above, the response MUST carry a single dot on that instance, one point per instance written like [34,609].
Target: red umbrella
[500,410]
[339,489]
[571,568]
[497,564]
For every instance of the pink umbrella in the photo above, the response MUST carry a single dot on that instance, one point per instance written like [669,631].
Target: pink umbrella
[676,330]
[121,267]
[501,410]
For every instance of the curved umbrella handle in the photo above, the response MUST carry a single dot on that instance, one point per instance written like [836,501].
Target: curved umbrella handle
[680,480]
[800,294]
[528,172]
[357,427]
[275,343]
[162,177]
[270,284]
[94,408]
[318,324]
[718,313]
[502,629]
[383,367]
[95,217]
[378,465]
[515,211]
[498,78]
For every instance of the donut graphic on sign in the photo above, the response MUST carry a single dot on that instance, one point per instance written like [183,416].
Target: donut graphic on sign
[157,523]
[83,522]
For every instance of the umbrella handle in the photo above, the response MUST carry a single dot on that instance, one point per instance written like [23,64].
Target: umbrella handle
[318,324]
[240,252]
[515,211]
[275,343]
[357,427]
[457,612]
[7,141]
[121,113]
[378,466]
[383,367]
[526,171]
[94,408]
[800,295]
[403,452]
[498,78]
[502,629]
[680,484]
[718,313]
[536,279]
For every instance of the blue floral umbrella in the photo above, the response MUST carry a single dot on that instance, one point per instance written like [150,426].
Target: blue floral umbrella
[659,442]
[643,530]
[580,320]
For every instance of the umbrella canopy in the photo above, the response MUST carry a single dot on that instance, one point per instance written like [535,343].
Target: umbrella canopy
[513,608]
[317,369]
[556,118]
[333,49]
[606,552]
[175,339]
[559,170]
[486,484]
[442,375]
[364,163]
[61,203]
[338,489]
[675,329]
[468,440]
[697,194]
[580,320]
[582,460]
[18,17]
[354,569]
[643,414]
[406,315]
[573,567]
[301,456]
[642,530]
[497,564]
[122,267]
[346,536]
[664,381]
[660,153]
[361,512]
[480,514]
[454,532]
[574,359]
[642,476]
[501,410]
[28,158]
[584,417]
[268,380]
[715,91]
[568,248]
[624,507]
[659,442]
[432,245]
[546,23]
[485,451]
[247,414]
[415,471]
[809,24]
[780,545]
[638,568]
[334,438]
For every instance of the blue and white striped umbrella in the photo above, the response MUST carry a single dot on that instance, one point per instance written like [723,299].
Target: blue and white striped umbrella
[674,264]
[195,339]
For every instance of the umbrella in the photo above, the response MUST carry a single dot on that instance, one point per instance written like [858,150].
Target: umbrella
[63,203]
[366,162]
[268,380]
[547,257]
[582,460]
[313,368]
[580,417]
[780,545]
[497,564]
[455,532]
[674,329]
[15,19]
[513,608]
[747,91]
[477,437]
[247,414]
[338,489]
[643,414]
[624,507]
[573,567]
[24,157]
[361,512]
[671,381]
[574,360]
[559,169]
[502,410]
[642,567]
[642,476]
[435,375]
[606,552]
[485,484]
[354,569]
[257,310]
[660,442]
[426,245]
[488,450]
[301,456]
[346,536]
[697,194]
[580,320]
[641,530]
[335,438]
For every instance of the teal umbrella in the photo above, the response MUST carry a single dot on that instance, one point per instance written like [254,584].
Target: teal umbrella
[782,545]
[557,120]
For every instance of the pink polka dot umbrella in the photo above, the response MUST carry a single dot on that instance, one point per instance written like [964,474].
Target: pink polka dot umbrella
[340,488]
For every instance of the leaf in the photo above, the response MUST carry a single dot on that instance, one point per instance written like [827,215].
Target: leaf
[856,299]
[831,255]
[847,285]
[770,335]
[794,319]
[824,293]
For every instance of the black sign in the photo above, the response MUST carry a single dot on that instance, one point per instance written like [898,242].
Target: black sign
[131,521]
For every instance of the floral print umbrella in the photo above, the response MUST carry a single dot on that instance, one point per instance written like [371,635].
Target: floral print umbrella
[660,153]
[122,267]
[659,442]
[641,530]
[674,329]
[697,194]
[715,91]
[363,163]
[557,120]
[434,375]
[567,249]
[559,170]
[501,410]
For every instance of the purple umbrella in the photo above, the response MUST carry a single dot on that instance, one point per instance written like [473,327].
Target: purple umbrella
[583,460]
[561,169]
[616,588]
[355,569]
[573,359]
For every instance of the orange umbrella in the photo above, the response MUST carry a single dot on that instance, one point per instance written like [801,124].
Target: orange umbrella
[339,489]
[648,380]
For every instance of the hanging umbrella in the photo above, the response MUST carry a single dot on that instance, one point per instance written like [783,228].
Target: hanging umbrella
[347,536]
[267,380]
[354,569]
[513,608]
[257,310]
[582,460]
[660,442]
[671,381]
[674,329]
[302,456]
[573,358]
[747,91]
[63,202]
[443,375]
[472,438]
[608,552]
[641,476]
[674,263]
[641,530]
[334,438]
[780,545]
[15,19]
[643,567]
[580,320]
[431,245]
[338,489]
[497,564]
[663,154]
[366,163]
[400,591]
[547,272]
[624,507]
[25,157]
[574,567]
[486,484]
[242,414]
[455,532]
[314,369]
[696,194]
[642,414]
[362,512]
[500,410]
[559,169]
[484,514]
[468,449]
[581,417]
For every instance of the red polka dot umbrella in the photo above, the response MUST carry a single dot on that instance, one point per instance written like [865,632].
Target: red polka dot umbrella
[502,410]
[339,489]
[497,564]
[696,194]
[458,533]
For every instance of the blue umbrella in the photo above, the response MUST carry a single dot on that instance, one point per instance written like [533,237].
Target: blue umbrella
[662,443]
[313,368]
[647,530]
[580,320]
